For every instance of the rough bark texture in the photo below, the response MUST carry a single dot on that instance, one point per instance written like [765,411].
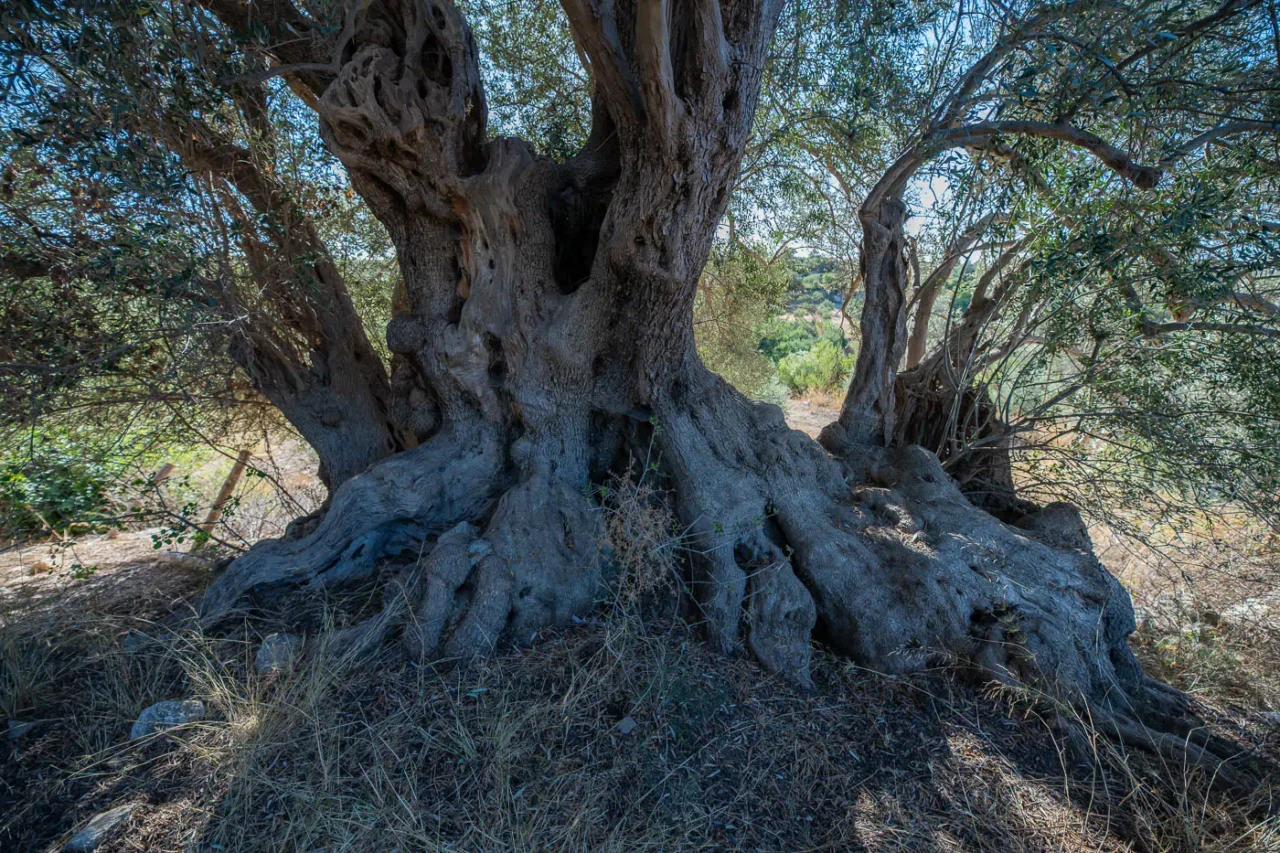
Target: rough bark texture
[324,377]
[963,427]
[545,332]
[867,415]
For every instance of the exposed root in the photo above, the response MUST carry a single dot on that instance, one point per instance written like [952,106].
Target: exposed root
[432,600]
[719,455]
[779,613]
[547,536]
[878,554]
[389,509]
[1185,752]
[901,570]
[537,564]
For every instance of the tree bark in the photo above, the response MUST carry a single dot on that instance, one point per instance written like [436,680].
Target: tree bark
[546,334]
[867,414]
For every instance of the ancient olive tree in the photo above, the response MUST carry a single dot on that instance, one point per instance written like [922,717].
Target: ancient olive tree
[545,334]
[542,338]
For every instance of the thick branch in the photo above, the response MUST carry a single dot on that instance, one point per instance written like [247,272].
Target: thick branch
[662,107]
[1143,177]
[308,352]
[292,37]
[596,33]
[203,149]
[711,56]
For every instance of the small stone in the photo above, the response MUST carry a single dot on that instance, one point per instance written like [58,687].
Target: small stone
[627,725]
[17,728]
[178,558]
[276,652]
[1260,612]
[95,831]
[166,715]
[1169,612]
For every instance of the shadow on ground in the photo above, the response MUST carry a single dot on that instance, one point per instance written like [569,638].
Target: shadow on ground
[616,735]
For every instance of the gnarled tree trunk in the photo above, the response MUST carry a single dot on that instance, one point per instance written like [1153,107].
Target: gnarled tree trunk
[547,331]
[868,413]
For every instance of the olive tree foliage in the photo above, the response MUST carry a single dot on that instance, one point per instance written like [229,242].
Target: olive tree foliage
[1087,280]
[1130,358]
[1124,326]
[740,290]
[154,184]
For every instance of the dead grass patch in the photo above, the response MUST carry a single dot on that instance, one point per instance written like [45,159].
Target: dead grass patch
[621,734]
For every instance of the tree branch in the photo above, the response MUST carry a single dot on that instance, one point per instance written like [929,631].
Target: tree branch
[295,39]
[1155,329]
[711,53]
[1225,129]
[596,34]
[927,293]
[1143,177]
[663,109]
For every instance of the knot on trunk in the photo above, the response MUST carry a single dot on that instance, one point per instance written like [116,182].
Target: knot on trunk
[407,105]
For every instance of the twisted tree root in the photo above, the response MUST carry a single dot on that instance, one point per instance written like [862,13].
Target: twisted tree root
[391,508]
[878,554]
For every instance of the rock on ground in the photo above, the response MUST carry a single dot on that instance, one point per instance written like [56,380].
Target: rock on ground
[18,728]
[1172,611]
[1260,612]
[276,652]
[97,828]
[166,715]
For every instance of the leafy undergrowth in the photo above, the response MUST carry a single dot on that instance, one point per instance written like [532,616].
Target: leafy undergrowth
[616,735]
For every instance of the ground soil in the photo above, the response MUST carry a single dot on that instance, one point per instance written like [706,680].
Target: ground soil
[622,733]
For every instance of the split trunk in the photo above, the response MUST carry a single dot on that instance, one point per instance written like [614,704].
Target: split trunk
[544,339]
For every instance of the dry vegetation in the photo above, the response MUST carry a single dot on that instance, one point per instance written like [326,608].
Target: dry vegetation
[623,733]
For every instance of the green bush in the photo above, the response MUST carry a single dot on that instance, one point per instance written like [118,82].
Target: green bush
[784,336]
[824,367]
[51,489]
[738,295]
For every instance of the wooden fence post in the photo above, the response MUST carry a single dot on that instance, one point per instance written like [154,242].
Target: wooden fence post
[225,493]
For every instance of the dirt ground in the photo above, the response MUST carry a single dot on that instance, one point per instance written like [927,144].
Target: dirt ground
[623,733]
[810,416]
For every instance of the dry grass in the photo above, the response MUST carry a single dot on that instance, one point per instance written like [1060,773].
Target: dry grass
[1191,581]
[642,536]
[620,734]
[535,750]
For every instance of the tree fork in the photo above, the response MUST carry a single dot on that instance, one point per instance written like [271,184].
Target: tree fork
[547,309]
